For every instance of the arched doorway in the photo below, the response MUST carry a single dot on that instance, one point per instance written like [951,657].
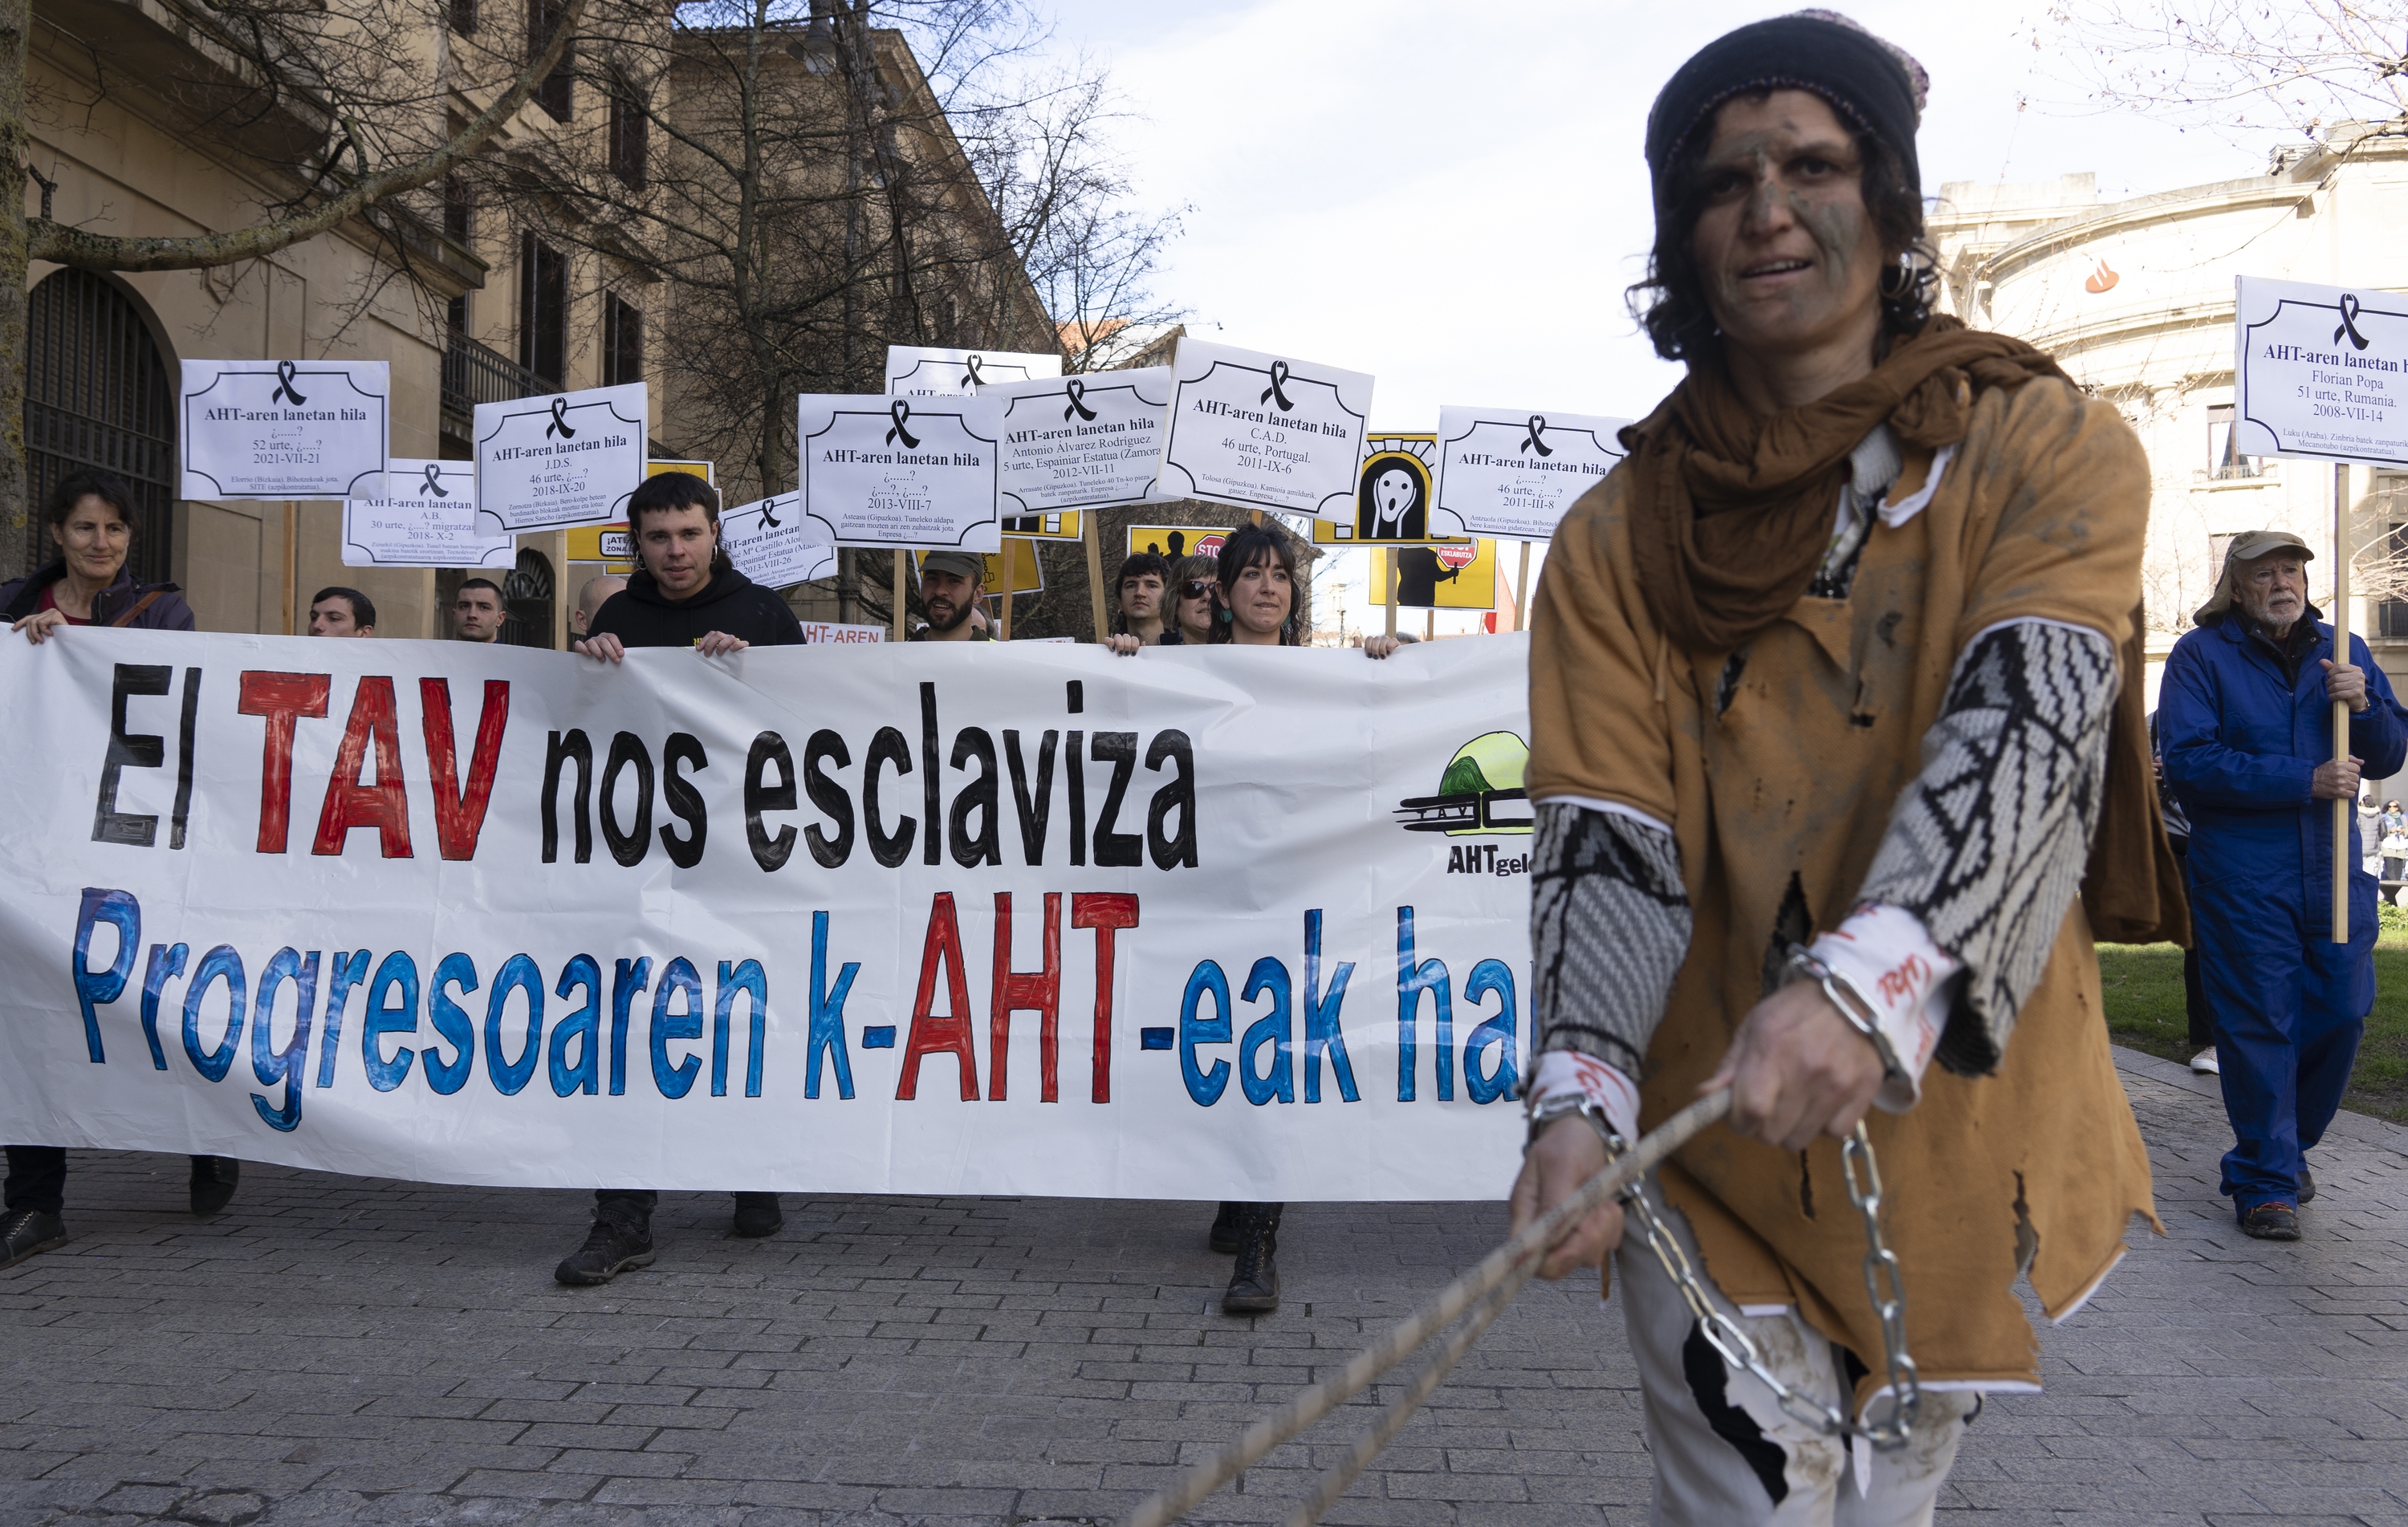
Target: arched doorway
[97,395]
[526,601]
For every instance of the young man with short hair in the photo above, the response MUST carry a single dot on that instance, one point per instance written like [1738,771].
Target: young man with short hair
[1813,807]
[338,611]
[685,593]
[952,583]
[1144,590]
[477,611]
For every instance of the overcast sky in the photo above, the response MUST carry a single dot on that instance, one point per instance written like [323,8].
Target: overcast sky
[1450,197]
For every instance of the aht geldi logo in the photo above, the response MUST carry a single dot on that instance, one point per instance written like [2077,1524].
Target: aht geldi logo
[1479,794]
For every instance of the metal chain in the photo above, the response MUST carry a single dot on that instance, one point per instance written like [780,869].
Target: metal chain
[1882,1285]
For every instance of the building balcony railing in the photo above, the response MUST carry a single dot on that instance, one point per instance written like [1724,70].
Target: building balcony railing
[475,373]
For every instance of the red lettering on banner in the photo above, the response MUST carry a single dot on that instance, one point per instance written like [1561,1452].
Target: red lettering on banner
[1035,991]
[1106,912]
[459,819]
[947,1032]
[282,699]
[352,802]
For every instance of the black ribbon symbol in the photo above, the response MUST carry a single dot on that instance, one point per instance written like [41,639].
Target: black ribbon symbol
[285,392]
[901,409]
[767,518]
[2349,310]
[1278,389]
[1537,427]
[971,377]
[1076,390]
[560,424]
[433,470]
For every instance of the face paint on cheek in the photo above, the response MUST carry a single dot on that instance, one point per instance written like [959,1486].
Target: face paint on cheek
[1839,231]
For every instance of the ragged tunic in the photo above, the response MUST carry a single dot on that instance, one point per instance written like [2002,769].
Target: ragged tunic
[1778,769]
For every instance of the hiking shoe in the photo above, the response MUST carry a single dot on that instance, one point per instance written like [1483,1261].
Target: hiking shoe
[2204,1063]
[2271,1222]
[213,1182]
[2307,1183]
[1253,1285]
[757,1215]
[25,1232]
[1224,1237]
[610,1248]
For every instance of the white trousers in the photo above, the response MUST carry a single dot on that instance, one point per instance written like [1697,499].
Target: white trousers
[1727,1454]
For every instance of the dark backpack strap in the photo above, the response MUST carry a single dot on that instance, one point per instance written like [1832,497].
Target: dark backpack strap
[139,605]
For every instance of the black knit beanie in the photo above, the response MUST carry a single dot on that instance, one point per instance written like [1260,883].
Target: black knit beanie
[1875,87]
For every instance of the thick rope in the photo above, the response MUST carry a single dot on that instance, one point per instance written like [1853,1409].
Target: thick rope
[1402,1339]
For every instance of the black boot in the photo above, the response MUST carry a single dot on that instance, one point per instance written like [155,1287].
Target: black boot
[214,1180]
[611,1247]
[1254,1286]
[1225,1227]
[25,1231]
[757,1215]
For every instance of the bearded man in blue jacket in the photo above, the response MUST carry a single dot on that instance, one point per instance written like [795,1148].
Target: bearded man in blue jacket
[2245,716]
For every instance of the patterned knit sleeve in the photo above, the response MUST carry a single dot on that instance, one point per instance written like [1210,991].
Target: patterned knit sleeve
[1609,928]
[1986,847]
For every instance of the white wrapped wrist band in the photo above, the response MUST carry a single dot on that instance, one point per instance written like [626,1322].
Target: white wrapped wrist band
[1861,1013]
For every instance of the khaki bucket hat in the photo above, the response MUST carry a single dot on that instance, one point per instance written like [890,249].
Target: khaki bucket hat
[2247,547]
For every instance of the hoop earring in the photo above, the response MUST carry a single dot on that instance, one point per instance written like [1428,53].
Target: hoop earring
[1904,271]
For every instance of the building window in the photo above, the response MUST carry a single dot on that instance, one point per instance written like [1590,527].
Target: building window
[459,210]
[556,94]
[543,310]
[464,17]
[630,134]
[2222,460]
[623,342]
[456,313]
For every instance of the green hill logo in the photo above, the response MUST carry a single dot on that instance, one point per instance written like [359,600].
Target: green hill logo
[1481,792]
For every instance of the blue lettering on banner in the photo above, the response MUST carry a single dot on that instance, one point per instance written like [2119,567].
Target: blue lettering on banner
[1501,1031]
[448,1076]
[520,973]
[120,912]
[1204,1086]
[627,983]
[221,963]
[828,1023]
[1412,981]
[398,974]
[1321,1027]
[285,1065]
[345,972]
[678,978]
[167,962]
[583,1074]
[746,979]
[1277,1029]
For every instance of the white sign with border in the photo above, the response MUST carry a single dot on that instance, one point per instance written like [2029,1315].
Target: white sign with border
[561,458]
[1512,473]
[933,371]
[837,633]
[888,472]
[772,544]
[426,518]
[2318,372]
[284,429]
[1083,442]
[1264,432]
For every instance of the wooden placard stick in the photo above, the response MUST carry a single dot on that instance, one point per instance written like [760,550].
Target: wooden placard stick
[2341,808]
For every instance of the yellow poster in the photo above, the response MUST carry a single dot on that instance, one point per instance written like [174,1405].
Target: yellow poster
[1052,525]
[1177,541]
[609,544]
[1026,570]
[1393,491]
[1448,575]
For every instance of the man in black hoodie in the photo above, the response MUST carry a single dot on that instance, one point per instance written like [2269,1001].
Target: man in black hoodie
[685,593]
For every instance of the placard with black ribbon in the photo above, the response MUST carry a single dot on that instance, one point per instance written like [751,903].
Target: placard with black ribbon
[773,543]
[560,458]
[1264,431]
[1083,442]
[426,517]
[934,371]
[1512,472]
[2318,373]
[900,471]
[284,429]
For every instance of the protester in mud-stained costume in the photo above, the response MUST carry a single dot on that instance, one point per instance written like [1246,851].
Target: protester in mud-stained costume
[1833,695]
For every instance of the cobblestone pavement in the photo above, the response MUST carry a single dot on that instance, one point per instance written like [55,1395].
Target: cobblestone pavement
[341,1350]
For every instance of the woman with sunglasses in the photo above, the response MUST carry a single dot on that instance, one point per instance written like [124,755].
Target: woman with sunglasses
[1193,596]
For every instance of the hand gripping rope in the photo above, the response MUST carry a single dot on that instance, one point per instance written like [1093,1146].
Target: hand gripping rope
[1492,1285]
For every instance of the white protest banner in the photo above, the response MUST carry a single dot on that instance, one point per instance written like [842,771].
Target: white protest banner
[426,518]
[834,631]
[772,543]
[892,472]
[1209,923]
[562,459]
[1512,473]
[1264,432]
[2317,372]
[284,429]
[933,371]
[1083,442]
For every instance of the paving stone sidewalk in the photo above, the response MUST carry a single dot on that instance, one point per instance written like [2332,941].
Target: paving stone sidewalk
[342,1350]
